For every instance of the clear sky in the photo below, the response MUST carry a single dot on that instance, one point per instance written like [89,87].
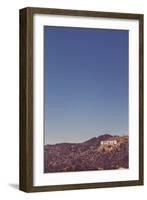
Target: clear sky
[85,83]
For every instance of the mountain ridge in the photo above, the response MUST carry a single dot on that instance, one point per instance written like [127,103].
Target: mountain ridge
[98,153]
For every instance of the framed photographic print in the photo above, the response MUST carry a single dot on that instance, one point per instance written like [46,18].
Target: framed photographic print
[81,99]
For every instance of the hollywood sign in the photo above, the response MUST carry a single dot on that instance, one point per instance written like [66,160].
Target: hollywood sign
[109,142]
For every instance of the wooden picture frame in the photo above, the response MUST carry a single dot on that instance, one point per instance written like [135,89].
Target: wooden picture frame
[26,145]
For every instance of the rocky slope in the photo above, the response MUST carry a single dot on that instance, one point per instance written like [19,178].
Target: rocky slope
[99,153]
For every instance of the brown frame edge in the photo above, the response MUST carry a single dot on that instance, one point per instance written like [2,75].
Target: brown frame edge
[26,99]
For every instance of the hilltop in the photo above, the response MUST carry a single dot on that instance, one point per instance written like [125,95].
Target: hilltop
[99,153]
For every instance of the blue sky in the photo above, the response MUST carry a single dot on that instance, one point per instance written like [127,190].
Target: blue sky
[85,83]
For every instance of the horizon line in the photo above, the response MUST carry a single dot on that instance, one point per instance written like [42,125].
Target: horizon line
[120,135]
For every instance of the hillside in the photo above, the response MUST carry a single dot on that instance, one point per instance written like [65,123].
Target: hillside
[99,153]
